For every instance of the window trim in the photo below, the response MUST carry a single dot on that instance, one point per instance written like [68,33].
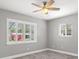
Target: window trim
[24,23]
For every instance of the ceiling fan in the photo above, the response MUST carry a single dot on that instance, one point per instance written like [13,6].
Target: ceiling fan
[47,5]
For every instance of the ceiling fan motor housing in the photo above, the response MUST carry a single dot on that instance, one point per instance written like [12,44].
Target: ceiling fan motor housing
[44,3]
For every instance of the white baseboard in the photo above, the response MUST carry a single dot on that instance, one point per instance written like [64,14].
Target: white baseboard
[23,54]
[64,52]
[28,53]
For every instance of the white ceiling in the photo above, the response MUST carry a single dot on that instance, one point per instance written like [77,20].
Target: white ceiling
[67,7]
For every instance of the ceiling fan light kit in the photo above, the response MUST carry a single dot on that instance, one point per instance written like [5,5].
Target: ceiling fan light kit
[45,10]
[46,6]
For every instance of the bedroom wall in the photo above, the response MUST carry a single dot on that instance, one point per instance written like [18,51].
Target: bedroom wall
[7,50]
[68,44]
[47,34]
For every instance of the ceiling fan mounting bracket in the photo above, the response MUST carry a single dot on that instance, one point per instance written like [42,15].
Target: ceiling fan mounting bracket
[44,2]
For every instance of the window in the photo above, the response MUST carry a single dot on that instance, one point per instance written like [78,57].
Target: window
[21,32]
[65,30]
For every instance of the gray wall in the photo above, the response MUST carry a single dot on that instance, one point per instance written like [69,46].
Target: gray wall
[47,34]
[7,50]
[68,44]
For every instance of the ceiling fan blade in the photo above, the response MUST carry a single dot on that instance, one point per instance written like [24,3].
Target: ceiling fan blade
[53,8]
[36,5]
[50,2]
[37,10]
